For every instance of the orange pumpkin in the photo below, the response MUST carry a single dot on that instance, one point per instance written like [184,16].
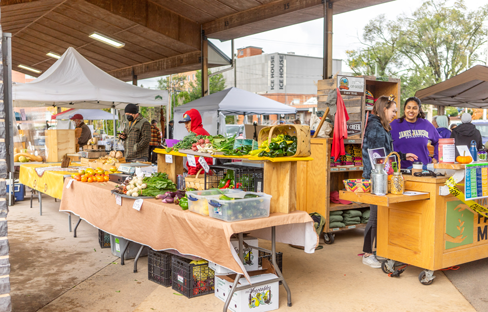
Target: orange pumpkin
[464,159]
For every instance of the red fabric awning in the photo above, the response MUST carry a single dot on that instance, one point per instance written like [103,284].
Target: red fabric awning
[55,115]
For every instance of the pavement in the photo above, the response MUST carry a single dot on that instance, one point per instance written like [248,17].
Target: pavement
[52,271]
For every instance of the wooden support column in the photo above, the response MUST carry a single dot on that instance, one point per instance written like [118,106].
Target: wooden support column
[173,169]
[205,87]
[441,110]
[134,78]
[328,11]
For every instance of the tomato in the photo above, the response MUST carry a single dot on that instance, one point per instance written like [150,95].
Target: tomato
[84,178]
[99,168]
[99,179]
[106,178]
[99,171]
[81,171]
[113,168]
[90,171]
[107,172]
[78,178]
[73,175]
[90,179]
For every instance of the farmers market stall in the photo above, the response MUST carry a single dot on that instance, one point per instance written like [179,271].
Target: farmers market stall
[132,213]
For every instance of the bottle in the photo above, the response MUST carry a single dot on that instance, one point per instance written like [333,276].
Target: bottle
[473,150]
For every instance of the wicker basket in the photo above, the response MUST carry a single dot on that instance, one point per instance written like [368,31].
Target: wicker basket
[197,182]
[358,185]
[300,131]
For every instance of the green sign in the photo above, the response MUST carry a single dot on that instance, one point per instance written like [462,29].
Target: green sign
[459,225]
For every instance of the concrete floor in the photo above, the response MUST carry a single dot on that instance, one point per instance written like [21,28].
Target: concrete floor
[52,271]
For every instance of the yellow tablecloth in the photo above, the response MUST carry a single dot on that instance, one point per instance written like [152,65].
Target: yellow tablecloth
[51,182]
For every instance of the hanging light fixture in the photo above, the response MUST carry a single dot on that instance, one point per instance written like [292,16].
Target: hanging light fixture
[107,40]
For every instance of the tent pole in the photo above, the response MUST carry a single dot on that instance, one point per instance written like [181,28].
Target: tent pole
[115,130]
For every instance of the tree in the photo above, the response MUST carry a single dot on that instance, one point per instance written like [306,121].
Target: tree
[434,44]
[451,111]
[217,83]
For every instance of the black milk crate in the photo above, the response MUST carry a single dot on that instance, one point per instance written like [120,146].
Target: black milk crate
[192,280]
[279,258]
[103,239]
[250,177]
[159,267]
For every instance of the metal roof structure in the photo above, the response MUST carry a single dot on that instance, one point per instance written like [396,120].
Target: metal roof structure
[159,36]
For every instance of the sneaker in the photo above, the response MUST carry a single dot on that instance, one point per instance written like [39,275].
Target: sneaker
[372,262]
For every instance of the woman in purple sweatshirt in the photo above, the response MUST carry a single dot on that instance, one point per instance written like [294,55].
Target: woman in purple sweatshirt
[412,132]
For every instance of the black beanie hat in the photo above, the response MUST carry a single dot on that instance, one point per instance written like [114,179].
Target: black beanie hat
[132,109]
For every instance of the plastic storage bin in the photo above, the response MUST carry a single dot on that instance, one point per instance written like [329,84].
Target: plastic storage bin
[117,245]
[247,177]
[192,280]
[240,209]
[19,191]
[159,267]
[198,200]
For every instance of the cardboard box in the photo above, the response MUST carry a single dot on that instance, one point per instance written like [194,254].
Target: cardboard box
[251,255]
[256,299]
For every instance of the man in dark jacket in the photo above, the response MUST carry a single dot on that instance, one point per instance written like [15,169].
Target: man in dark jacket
[171,129]
[136,135]
[466,132]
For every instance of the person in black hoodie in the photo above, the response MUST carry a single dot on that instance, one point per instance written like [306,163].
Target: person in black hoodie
[466,132]
[377,135]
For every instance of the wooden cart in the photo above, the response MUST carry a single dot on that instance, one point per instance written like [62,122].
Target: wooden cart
[429,231]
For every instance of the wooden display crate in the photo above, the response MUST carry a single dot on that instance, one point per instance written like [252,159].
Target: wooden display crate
[356,105]
[59,143]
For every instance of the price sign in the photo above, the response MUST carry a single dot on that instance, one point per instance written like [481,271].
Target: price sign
[69,183]
[138,204]
[191,160]
[204,164]
[169,159]
[118,200]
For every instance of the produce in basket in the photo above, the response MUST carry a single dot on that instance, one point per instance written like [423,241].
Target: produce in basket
[281,146]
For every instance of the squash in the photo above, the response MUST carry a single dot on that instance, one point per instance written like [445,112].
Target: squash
[27,155]
[112,154]
[16,150]
[119,154]
[464,159]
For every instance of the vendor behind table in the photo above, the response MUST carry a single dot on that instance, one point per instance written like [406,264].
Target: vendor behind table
[85,131]
[136,135]
[193,123]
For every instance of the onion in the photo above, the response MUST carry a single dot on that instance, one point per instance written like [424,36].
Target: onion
[169,200]
[160,196]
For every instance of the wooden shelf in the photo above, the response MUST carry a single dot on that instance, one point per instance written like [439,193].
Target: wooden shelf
[386,200]
[348,141]
[346,169]
[349,227]
[335,207]
[455,166]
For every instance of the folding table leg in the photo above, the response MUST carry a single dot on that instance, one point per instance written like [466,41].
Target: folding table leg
[122,256]
[32,195]
[40,204]
[76,227]
[69,220]
[137,258]
[232,290]
[275,265]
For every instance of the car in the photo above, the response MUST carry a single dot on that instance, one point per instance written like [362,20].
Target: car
[231,130]
[482,126]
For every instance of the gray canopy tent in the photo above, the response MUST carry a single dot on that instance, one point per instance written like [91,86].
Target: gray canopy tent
[468,89]
[231,101]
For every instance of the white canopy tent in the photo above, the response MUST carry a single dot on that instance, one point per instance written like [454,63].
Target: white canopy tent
[72,81]
[231,101]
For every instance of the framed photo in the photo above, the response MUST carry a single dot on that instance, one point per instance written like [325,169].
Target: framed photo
[378,155]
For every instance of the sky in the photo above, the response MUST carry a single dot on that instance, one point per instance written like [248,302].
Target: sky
[307,38]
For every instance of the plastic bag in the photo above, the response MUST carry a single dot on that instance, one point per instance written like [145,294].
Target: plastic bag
[326,127]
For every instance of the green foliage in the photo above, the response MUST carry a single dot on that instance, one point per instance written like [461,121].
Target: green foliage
[217,83]
[434,44]
[452,111]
